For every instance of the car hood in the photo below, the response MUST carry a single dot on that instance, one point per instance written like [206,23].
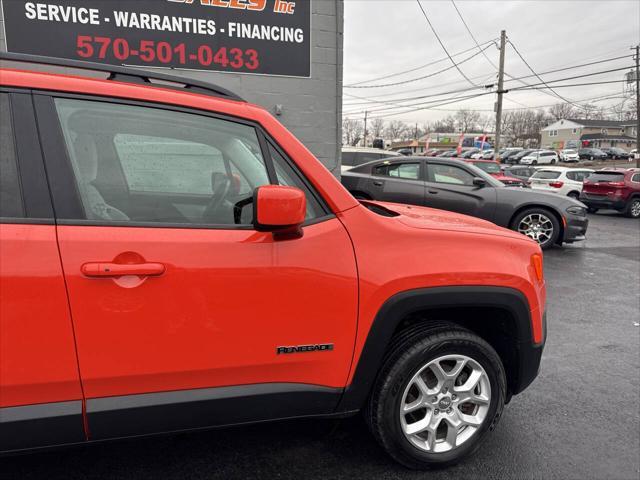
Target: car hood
[434,219]
[505,178]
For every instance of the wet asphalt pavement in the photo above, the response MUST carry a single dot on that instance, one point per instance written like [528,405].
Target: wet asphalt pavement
[580,419]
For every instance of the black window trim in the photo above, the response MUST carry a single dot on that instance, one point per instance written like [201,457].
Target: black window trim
[67,201]
[34,191]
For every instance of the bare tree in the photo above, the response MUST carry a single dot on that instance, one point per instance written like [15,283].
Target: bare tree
[446,125]
[352,131]
[563,110]
[467,120]
[377,127]
[396,130]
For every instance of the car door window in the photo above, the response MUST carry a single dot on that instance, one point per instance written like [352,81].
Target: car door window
[580,176]
[636,178]
[142,164]
[408,171]
[450,174]
[572,176]
[10,194]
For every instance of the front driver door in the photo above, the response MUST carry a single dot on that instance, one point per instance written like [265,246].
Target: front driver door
[179,305]
[450,187]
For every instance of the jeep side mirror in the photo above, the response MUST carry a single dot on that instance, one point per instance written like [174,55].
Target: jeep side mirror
[479,182]
[279,209]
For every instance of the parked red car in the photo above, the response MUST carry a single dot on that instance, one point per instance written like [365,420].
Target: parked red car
[492,167]
[173,258]
[613,188]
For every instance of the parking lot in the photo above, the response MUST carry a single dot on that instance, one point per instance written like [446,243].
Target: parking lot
[578,420]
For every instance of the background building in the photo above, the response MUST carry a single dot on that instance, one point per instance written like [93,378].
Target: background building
[577,133]
[311,107]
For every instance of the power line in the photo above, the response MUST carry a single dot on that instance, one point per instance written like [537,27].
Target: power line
[539,77]
[430,108]
[396,74]
[442,44]
[534,86]
[404,82]
[572,67]
[524,88]
[472,35]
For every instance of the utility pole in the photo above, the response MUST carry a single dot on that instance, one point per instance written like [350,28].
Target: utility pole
[365,129]
[503,40]
[638,106]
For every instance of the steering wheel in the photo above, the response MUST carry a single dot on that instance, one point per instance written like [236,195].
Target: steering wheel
[220,186]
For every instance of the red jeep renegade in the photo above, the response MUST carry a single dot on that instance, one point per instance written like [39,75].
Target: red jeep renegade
[173,258]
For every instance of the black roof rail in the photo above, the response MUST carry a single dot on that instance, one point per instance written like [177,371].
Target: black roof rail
[126,74]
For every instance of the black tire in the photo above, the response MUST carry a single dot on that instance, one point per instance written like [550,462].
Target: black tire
[574,195]
[543,211]
[410,351]
[633,208]
[535,162]
[592,210]
[553,161]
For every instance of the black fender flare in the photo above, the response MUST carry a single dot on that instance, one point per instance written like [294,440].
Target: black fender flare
[402,304]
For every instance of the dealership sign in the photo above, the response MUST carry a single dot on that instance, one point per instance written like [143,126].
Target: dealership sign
[270,37]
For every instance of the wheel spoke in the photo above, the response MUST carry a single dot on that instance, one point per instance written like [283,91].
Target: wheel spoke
[471,420]
[423,409]
[452,433]
[420,425]
[422,386]
[413,406]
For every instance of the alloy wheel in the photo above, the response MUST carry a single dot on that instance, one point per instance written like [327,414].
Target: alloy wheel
[445,403]
[635,208]
[536,226]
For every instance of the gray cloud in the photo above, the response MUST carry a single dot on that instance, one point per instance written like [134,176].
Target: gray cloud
[387,36]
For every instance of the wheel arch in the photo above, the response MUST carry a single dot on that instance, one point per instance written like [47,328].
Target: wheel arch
[501,316]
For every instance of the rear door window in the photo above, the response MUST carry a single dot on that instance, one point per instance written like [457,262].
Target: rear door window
[546,175]
[10,192]
[407,171]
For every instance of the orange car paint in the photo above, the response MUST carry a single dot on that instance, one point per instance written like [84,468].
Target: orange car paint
[37,353]
[221,301]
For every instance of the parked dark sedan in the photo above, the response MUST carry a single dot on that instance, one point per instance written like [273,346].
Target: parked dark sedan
[454,185]
[614,153]
[591,154]
[515,158]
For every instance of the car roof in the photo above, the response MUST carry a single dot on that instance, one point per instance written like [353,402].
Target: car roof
[335,195]
[479,160]
[618,170]
[564,169]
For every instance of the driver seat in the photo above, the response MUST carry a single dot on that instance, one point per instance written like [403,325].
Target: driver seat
[86,160]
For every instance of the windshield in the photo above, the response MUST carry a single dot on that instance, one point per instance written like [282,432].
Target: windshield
[570,152]
[488,167]
[546,174]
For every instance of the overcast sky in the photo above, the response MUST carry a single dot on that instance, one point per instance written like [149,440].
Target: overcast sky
[382,37]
